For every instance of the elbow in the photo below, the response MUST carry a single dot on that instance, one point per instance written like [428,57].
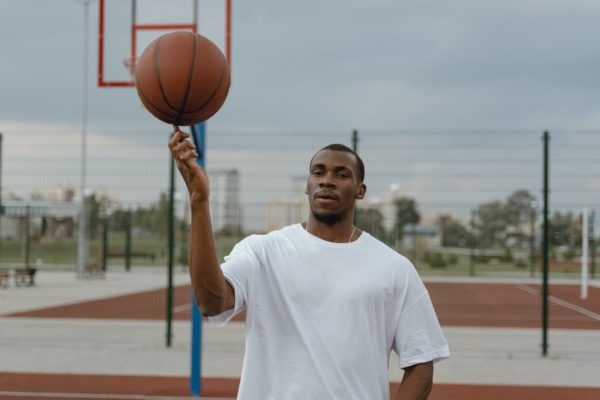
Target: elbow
[210,306]
[211,312]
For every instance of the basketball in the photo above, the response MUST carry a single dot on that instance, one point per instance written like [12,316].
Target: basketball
[182,78]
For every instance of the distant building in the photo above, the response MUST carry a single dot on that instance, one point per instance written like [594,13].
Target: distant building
[290,210]
[427,236]
[281,213]
[60,194]
[224,202]
[47,218]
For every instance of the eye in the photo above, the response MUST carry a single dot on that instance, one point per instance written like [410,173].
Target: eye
[318,172]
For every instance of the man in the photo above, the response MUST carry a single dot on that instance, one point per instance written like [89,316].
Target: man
[325,302]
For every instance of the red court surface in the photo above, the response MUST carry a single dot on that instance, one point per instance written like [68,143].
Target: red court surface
[457,304]
[61,386]
[513,305]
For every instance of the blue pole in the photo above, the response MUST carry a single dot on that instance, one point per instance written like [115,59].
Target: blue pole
[198,136]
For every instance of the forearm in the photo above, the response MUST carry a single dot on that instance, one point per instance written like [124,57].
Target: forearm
[416,383]
[210,287]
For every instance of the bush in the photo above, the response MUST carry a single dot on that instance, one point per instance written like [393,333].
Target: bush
[481,259]
[569,254]
[507,257]
[452,259]
[520,263]
[435,260]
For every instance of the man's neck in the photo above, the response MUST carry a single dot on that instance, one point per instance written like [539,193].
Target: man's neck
[339,232]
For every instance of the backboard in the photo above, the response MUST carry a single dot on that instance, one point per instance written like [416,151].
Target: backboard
[126,27]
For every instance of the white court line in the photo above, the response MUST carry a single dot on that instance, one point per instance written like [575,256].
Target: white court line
[563,303]
[183,307]
[100,396]
[508,317]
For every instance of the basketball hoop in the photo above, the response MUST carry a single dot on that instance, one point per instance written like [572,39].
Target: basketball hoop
[129,63]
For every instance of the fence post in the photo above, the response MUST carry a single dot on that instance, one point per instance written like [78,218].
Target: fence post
[128,228]
[1,206]
[584,253]
[26,232]
[546,246]
[171,250]
[355,148]
[593,243]
[472,245]
[105,242]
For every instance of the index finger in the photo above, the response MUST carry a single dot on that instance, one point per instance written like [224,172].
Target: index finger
[177,137]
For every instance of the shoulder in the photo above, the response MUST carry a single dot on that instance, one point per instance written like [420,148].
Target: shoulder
[398,268]
[386,254]
[258,243]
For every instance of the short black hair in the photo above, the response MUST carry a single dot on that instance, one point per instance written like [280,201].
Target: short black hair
[359,161]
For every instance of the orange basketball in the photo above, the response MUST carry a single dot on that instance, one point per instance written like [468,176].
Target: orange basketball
[182,78]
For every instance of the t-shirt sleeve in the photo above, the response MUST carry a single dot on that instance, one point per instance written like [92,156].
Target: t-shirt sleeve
[419,337]
[238,268]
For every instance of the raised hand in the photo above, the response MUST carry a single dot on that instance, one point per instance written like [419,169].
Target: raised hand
[194,176]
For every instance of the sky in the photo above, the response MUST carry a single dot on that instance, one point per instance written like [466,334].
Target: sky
[338,65]
[318,67]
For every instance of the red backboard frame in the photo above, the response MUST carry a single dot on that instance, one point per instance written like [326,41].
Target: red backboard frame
[135,28]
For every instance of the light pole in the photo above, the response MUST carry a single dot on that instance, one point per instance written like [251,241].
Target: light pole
[82,238]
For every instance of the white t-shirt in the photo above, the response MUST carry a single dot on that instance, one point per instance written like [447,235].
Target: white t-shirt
[323,317]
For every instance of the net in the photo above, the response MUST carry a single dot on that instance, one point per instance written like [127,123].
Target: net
[130,63]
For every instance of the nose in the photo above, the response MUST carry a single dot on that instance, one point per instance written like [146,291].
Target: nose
[327,181]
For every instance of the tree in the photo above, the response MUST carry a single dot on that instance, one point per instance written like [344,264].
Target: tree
[407,213]
[454,234]
[370,220]
[118,220]
[519,208]
[564,229]
[492,222]
[521,216]
[93,209]
[152,219]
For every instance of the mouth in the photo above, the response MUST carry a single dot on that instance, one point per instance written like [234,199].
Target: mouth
[326,196]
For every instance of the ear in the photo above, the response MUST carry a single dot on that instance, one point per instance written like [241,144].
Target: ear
[361,191]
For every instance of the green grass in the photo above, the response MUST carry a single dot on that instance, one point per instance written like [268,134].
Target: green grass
[64,251]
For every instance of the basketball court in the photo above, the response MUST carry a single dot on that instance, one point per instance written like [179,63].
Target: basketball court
[69,338]
[110,343]
[501,305]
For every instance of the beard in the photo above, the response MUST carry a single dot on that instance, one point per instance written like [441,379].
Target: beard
[328,219]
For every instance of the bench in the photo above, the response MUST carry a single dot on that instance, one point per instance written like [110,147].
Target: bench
[25,276]
[93,271]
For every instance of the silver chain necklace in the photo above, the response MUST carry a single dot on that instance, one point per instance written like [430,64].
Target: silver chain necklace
[351,233]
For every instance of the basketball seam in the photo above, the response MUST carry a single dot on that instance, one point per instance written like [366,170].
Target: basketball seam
[214,93]
[157,69]
[157,109]
[190,77]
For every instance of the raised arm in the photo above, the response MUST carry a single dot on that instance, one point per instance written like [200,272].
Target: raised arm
[213,293]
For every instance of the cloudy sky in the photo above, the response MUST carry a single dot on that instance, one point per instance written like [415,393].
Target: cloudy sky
[337,65]
[321,66]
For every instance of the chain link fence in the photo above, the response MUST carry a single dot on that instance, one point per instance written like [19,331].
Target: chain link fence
[464,206]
